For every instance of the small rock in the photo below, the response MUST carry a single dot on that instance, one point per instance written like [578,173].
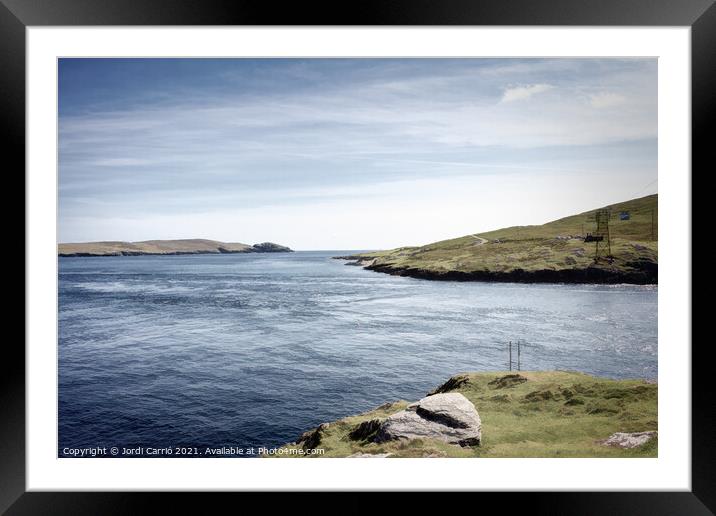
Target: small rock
[385,406]
[567,393]
[362,262]
[543,395]
[600,408]
[452,384]
[311,439]
[364,430]
[509,380]
[628,440]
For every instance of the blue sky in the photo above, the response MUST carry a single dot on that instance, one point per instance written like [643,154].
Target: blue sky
[347,153]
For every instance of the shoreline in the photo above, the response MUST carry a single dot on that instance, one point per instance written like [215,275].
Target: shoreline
[164,247]
[170,253]
[645,273]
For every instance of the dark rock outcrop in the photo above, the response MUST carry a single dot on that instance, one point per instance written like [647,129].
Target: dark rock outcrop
[365,430]
[270,247]
[639,273]
[452,384]
[509,380]
[311,439]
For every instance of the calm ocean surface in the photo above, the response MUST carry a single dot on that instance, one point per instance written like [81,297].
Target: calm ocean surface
[253,349]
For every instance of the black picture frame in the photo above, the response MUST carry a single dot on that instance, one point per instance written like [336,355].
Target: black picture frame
[17,15]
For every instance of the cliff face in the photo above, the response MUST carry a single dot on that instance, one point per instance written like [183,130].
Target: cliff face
[165,247]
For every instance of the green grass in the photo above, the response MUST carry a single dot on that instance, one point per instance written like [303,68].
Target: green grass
[196,245]
[535,248]
[552,414]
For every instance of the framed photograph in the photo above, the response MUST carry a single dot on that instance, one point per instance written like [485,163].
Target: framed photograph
[410,249]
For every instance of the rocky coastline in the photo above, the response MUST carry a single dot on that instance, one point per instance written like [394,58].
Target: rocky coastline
[165,248]
[637,273]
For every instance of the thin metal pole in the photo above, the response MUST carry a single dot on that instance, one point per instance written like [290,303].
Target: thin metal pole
[518,354]
[510,355]
[652,225]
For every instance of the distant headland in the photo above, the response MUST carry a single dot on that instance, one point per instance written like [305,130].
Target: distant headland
[166,247]
[561,251]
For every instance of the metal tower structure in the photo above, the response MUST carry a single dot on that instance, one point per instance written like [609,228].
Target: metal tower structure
[602,218]
[600,236]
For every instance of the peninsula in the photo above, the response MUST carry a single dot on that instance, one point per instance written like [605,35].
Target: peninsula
[165,247]
[506,414]
[560,251]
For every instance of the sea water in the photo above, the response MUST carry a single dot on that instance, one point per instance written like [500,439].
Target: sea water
[236,351]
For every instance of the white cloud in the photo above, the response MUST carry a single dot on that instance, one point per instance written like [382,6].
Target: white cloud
[524,92]
[121,162]
[238,166]
[606,100]
[379,216]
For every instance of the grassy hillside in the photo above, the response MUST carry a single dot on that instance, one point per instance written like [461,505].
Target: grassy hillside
[150,247]
[551,414]
[553,250]
[189,246]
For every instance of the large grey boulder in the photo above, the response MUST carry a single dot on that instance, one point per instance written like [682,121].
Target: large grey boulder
[449,417]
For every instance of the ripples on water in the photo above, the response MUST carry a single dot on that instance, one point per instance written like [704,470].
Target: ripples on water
[252,350]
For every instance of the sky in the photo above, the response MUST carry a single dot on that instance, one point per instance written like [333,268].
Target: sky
[347,153]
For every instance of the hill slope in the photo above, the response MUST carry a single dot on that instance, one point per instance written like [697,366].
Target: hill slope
[552,252]
[529,414]
[165,247]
